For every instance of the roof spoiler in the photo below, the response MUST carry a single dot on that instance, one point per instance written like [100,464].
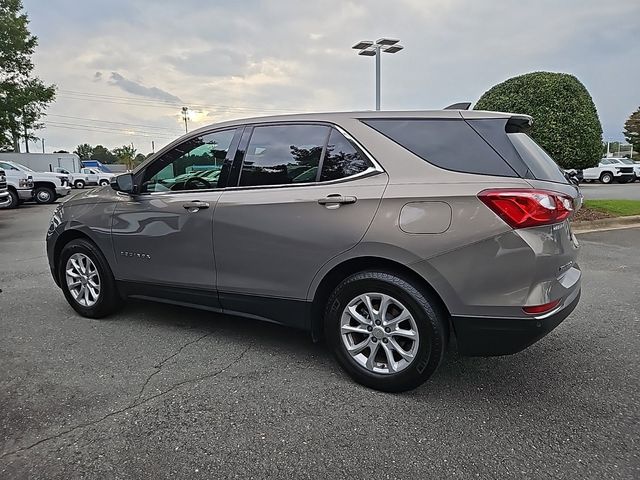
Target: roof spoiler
[458,106]
[519,123]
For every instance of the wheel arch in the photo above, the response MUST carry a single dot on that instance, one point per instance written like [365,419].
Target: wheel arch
[44,183]
[357,264]
[64,238]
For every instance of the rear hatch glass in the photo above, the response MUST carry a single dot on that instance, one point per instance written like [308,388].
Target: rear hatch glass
[540,164]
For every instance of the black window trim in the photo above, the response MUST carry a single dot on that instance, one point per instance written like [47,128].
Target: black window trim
[138,174]
[374,170]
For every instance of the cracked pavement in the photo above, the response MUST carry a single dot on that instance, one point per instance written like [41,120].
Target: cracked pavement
[159,391]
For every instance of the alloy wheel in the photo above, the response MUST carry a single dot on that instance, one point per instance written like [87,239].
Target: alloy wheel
[83,279]
[379,333]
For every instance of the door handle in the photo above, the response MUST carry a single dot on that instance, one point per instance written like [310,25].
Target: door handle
[337,199]
[195,206]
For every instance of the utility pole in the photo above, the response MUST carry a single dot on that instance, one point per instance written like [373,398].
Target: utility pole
[26,135]
[153,146]
[185,116]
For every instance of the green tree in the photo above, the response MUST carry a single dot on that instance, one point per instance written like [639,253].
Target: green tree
[84,151]
[102,154]
[632,130]
[125,154]
[139,158]
[23,97]
[566,122]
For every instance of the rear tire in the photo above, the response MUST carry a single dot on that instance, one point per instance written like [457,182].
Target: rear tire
[79,184]
[44,195]
[104,183]
[408,353]
[97,278]
[606,178]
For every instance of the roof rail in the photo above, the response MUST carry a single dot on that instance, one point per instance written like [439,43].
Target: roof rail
[458,106]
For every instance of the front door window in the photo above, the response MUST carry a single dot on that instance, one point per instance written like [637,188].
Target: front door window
[193,165]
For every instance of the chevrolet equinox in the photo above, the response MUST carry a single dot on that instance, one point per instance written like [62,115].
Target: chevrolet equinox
[386,233]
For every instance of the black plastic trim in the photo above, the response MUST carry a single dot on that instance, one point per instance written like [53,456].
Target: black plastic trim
[284,311]
[488,337]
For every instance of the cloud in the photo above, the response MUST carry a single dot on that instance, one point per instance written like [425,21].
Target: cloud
[231,61]
[138,89]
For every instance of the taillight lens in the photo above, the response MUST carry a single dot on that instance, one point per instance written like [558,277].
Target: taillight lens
[522,208]
[539,309]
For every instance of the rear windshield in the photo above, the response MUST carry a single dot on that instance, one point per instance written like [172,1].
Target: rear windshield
[541,165]
[447,143]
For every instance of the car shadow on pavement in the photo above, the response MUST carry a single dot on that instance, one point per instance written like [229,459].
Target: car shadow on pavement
[542,368]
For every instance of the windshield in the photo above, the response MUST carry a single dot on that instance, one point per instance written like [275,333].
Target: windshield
[627,161]
[22,167]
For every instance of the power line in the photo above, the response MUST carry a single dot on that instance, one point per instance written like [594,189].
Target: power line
[168,129]
[127,100]
[74,126]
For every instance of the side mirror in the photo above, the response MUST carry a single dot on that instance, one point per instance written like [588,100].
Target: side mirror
[123,183]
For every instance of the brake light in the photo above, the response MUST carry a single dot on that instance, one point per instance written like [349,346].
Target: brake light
[538,309]
[522,208]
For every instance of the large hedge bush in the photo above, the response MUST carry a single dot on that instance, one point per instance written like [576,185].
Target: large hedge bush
[565,120]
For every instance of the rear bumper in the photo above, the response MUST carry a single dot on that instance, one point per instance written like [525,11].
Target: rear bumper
[486,337]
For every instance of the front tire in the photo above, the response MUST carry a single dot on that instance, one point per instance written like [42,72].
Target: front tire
[606,178]
[15,200]
[87,281]
[385,332]
[44,195]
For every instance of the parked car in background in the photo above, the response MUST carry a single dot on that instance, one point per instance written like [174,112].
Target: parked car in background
[386,232]
[636,167]
[94,176]
[77,180]
[5,196]
[574,176]
[19,185]
[47,186]
[609,170]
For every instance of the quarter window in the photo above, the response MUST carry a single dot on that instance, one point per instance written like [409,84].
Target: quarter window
[342,159]
[283,154]
[193,165]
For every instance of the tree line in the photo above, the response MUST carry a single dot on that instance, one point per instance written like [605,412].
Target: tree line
[23,96]
[126,154]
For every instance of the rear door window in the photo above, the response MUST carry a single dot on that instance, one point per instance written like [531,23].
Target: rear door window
[446,143]
[541,165]
[283,154]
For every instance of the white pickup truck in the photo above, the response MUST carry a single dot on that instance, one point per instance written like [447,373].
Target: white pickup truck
[610,169]
[47,186]
[95,176]
[19,186]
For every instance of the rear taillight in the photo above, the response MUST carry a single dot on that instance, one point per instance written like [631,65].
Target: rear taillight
[522,208]
[538,309]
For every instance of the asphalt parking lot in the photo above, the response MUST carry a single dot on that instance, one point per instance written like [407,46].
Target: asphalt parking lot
[159,391]
[617,191]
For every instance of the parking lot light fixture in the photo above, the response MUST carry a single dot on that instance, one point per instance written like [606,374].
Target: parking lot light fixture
[368,48]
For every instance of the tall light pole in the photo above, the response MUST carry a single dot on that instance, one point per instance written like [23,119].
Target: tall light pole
[374,49]
[185,116]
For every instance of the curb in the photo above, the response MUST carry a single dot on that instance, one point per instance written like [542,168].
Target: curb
[614,223]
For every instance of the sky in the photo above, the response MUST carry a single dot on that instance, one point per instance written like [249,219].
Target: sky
[124,68]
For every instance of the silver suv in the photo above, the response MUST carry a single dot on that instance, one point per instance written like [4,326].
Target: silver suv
[385,232]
